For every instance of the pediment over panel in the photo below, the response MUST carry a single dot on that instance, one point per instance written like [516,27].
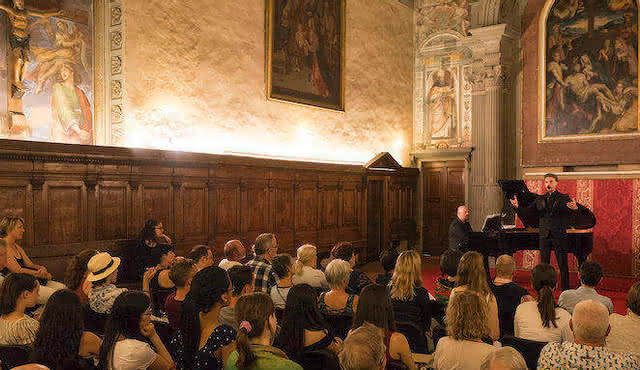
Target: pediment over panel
[383,160]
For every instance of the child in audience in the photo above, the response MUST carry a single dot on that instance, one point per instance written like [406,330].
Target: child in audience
[282,266]
[242,280]
[76,275]
[103,273]
[305,268]
[375,307]
[61,342]
[18,292]
[130,335]
[388,259]
[181,274]
[258,326]
[303,327]
[203,341]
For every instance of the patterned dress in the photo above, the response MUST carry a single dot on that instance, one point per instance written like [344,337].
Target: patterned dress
[205,357]
[579,356]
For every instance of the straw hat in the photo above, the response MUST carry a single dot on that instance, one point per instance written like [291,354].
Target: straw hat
[102,265]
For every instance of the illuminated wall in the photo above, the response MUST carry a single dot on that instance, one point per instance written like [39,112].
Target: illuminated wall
[195,81]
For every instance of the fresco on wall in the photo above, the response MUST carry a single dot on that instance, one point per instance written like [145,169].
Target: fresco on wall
[441,102]
[591,77]
[305,51]
[53,91]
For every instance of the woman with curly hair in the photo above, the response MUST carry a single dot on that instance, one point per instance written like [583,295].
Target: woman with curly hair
[467,323]
[473,277]
[76,275]
[60,320]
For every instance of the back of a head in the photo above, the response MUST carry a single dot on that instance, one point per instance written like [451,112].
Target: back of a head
[252,311]
[471,273]
[633,298]
[343,251]
[506,358]
[263,243]
[240,277]
[449,262]
[388,259]
[282,264]
[12,287]
[407,275]
[337,273]
[148,232]
[300,313]
[590,273]
[181,271]
[590,322]
[467,316]
[375,307]
[232,249]
[305,254]
[544,279]
[160,251]
[198,252]
[505,266]
[363,349]
[77,268]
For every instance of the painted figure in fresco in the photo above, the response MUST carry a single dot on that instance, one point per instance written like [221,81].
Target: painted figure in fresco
[568,9]
[19,41]
[315,77]
[441,100]
[579,85]
[70,109]
[627,99]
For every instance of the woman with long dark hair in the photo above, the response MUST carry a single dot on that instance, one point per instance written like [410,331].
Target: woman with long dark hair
[143,256]
[203,342]
[303,326]
[543,320]
[75,276]
[61,319]
[129,336]
[17,293]
[258,324]
[376,308]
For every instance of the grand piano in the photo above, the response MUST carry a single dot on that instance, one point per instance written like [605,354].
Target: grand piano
[496,240]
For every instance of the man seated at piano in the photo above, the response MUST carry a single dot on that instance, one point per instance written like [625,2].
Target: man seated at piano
[554,209]
[459,229]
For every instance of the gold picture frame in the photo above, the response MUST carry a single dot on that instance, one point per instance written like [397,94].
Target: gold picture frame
[305,52]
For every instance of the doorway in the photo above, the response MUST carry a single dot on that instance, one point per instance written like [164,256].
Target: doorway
[375,219]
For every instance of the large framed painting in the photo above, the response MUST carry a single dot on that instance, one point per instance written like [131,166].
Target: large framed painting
[588,65]
[305,52]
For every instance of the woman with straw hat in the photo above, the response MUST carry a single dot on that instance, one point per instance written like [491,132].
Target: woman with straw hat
[103,273]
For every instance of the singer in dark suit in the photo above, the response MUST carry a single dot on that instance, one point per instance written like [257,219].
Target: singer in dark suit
[554,209]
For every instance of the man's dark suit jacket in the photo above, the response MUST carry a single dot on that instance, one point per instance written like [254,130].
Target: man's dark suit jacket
[458,232]
[554,214]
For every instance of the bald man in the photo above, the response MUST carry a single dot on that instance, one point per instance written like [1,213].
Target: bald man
[460,228]
[234,252]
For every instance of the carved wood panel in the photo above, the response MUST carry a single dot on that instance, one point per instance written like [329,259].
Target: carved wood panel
[13,200]
[156,204]
[112,211]
[227,204]
[65,216]
[195,211]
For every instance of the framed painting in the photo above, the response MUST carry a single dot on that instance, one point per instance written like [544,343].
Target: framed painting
[305,52]
[588,59]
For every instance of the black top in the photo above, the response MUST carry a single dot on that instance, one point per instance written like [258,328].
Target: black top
[384,279]
[416,311]
[458,233]
[554,214]
[357,281]
[508,297]
[158,294]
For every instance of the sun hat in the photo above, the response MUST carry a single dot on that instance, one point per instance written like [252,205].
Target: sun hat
[101,265]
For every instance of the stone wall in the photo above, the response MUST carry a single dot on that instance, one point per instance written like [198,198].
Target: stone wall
[195,81]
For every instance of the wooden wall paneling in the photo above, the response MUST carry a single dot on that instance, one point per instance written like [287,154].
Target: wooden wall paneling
[39,221]
[282,204]
[306,216]
[195,211]
[16,200]
[255,205]
[330,207]
[455,189]
[136,211]
[157,204]
[434,182]
[227,203]
[351,210]
[66,212]
[113,214]
[177,205]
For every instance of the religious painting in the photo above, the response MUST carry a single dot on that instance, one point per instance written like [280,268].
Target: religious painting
[46,59]
[589,70]
[441,92]
[305,52]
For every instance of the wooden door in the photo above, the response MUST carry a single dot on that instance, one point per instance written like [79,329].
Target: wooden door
[375,218]
[443,189]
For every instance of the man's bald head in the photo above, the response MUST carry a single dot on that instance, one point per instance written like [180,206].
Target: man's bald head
[463,213]
[505,358]
[234,250]
[590,323]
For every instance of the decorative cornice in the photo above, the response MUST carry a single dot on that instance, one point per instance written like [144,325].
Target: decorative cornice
[37,181]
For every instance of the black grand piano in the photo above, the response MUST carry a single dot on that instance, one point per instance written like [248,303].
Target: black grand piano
[495,240]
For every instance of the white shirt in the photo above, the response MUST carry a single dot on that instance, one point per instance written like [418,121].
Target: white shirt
[528,324]
[226,264]
[311,276]
[460,354]
[132,354]
[625,334]
[279,296]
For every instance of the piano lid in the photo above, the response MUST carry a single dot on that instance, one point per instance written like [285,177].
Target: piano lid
[583,218]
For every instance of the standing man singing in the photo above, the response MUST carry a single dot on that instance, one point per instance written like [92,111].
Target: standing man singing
[555,210]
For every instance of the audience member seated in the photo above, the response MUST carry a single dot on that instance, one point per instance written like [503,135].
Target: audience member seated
[542,320]
[12,230]
[625,330]
[17,293]
[388,259]
[181,274]
[242,281]
[410,299]
[467,321]
[364,349]
[160,285]
[258,326]
[266,247]
[61,341]
[103,273]
[337,301]
[3,260]
[305,271]
[203,341]
[151,235]
[590,326]
[233,253]
[130,337]
[590,275]
[357,279]
[375,307]
[202,256]
[506,358]
[282,265]
[75,278]
[449,268]
[508,294]
[303,326]
[472,276]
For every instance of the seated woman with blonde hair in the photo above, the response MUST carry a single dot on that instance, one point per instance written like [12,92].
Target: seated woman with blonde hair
[467,323]
[304,269]
[472,276]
